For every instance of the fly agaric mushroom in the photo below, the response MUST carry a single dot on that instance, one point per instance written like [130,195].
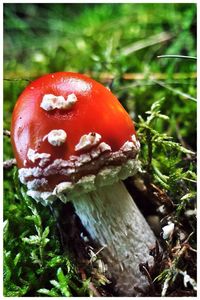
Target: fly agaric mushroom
[73,140]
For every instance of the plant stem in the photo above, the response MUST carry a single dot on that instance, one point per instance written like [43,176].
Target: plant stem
[177,56]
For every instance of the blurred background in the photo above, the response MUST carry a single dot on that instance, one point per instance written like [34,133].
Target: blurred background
[41,38]
[118,45]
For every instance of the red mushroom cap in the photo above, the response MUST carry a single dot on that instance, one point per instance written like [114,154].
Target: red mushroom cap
[63,116]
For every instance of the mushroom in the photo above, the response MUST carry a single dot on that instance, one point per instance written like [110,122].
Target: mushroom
[73,140]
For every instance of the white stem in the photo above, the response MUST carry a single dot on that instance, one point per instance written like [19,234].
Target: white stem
[113,220]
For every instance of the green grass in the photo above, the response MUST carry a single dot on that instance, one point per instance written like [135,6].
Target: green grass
[97,40]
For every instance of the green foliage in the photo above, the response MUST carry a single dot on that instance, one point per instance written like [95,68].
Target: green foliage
[64,285]
[32,254]
[163,159]
[172,167]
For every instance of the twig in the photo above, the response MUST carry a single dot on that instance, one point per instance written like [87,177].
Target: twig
[94,290]
[177,56]
[131,76]
[144,77]
[100,250]
[6,132]
[17,79]
[94,255]
[8,164]
[150,41]
[145,271]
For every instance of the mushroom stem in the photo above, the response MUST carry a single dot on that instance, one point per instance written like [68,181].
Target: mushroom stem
[113,220]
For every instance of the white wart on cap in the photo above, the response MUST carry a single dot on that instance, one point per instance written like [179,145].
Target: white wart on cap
[56,137]
[51,102]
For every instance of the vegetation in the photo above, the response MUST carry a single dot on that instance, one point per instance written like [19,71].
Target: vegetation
[46,250]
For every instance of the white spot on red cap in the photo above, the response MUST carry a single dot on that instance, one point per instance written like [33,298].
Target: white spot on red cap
[56,137]
[34,155]
[88,140]
[51,102]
